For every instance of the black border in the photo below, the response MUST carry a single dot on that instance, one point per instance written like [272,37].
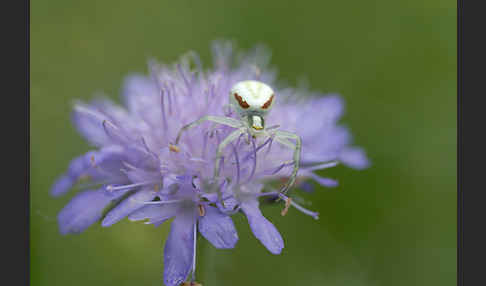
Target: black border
[471,144]
[27,93]
[460,278]
[15,152]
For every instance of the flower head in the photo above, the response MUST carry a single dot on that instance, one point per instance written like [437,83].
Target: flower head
[137,170]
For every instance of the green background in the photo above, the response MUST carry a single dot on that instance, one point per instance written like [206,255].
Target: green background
[394,62]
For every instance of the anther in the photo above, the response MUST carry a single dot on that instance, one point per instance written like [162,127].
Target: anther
[174,148]
[92,161]
[201,209]
[288,201]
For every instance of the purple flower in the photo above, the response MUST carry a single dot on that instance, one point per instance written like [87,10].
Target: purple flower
[136,170]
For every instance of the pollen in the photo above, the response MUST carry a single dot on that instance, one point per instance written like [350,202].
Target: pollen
[174,148]
[201,210]
[286,208]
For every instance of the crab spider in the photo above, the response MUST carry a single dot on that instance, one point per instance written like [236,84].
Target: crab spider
[252,100]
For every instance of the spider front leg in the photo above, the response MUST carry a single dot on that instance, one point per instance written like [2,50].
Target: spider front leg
[231,122]
[219,151]
[281,137]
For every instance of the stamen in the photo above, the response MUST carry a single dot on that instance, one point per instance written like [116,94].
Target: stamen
[221,163]
[107,126]
[237,164]
[276,170]
[270,145]
[169,97]
[189,89]
[174,148]
[193,276]
[322,166]
[220,193]
[287,200]
[205,144]
[92,161]
[158,202]
[254,161]
[144,143]
[162,107]
[267,194]
[111,188]
[257,149]
[218,138]
[201,209]
[272,127]
[161,91]
[171,89]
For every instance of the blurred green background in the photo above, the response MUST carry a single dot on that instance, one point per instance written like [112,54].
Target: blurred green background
[394,62]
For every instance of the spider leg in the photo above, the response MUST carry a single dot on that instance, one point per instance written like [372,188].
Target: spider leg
[217,119]
[281,137]
[219,151]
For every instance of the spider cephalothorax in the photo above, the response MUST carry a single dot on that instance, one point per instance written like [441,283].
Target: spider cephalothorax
[252,100]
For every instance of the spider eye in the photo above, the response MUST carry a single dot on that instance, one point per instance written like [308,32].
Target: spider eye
[241,102]
[268,103]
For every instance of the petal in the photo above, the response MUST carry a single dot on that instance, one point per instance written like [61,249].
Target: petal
[179,249]
[263,229]
[108,159]
[218,228]
[83,210]
[88,122]
[139,93]
[62,185]
[136,175]
[154,213]
[230,204]
[128,206]
[354,158]
[326,182]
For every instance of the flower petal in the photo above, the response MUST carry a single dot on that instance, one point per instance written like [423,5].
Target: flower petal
[355,158]
[89,122]
[263,229]
[63,184]
[127,206]
[326,182]
[84,210]
[155,213]
[179,249]
[107,158]
[218,228]
[139,94]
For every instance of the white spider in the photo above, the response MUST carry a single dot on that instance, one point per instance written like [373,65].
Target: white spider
[252,100]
